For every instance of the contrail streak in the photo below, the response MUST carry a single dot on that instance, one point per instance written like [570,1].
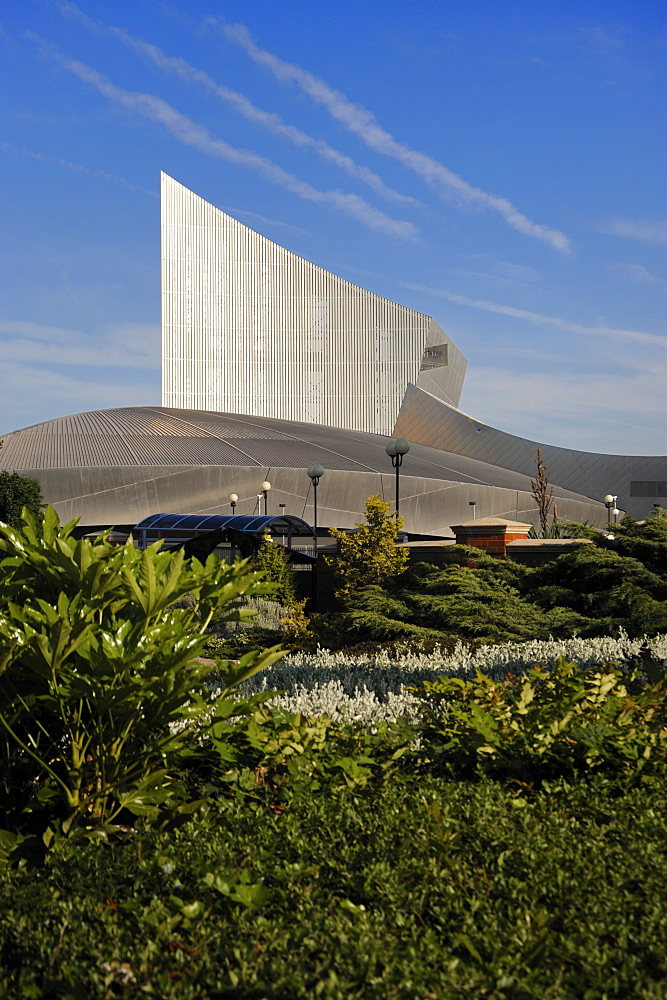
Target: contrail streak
[9,147]
[265,119]
[532,317]
[193,134]
[363,123]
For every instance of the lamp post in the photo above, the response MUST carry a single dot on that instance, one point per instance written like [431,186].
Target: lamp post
[265,487]
[610,504]
[233,500]
[315,472]
[396,449]
[473,504]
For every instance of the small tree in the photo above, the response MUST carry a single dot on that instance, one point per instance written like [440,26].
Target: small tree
[543,495]
[271,559]
[369,555]
[17,492]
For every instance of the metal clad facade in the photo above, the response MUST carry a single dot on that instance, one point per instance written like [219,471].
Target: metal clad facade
[426,420]
[251,328]
[120,465]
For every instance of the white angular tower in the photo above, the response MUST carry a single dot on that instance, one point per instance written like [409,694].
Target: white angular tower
[251,328]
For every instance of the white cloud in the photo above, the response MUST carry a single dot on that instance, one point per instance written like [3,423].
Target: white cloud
[522,273]
[363,123]
[643,230]
[501,274]
[191,133]
[125,345]
[270,121]
[574,410]
[636,273]
[265,119]
[540,320]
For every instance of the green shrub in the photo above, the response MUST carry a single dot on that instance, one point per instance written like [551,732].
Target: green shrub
[427,889]
[369,554]
[592,591]
[17,492]
[552,721]
[481,603]
[272,561]
[101,692]
[609,591]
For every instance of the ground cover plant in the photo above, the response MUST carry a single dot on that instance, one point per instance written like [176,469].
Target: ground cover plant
[430,889]
[367,688]
[473,822]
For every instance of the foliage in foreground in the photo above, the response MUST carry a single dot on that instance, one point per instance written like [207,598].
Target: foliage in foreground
[102,695]
[434,889]
[553,721]
[327,859]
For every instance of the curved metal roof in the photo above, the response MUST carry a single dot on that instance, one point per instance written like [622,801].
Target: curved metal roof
[635,479]
[150,436]
[118,466]
[247,523]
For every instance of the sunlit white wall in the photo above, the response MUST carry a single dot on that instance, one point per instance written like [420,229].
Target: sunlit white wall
[251,328]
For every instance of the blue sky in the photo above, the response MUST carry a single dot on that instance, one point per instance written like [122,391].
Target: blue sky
[498,166]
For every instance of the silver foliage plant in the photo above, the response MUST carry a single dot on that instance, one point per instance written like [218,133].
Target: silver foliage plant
[373,688]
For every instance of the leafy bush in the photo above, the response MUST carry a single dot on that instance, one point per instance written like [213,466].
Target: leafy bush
[473,596]
[553,721]
[423,889]
[594,590]
[17,492]
[607,590]
[645,541]
[101,691]
[272,561]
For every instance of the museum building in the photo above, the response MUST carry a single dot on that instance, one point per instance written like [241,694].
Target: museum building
[271,364]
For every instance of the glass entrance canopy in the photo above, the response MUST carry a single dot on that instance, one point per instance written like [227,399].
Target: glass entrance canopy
[180,527]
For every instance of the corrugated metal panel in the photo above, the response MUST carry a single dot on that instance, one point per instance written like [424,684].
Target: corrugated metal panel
[222,425]
[137,437]
[430,505]
[427,420]
[249,327]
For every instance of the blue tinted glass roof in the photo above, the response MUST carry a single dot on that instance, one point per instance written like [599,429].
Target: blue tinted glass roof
[239,522]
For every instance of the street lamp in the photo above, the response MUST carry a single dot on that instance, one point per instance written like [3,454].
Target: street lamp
[315,473]
[610,504]
[473,504]
[233,500]
[265,487]
[396,449]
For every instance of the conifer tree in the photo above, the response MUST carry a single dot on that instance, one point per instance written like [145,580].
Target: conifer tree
[17,492]
[272,559]
[369,554]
